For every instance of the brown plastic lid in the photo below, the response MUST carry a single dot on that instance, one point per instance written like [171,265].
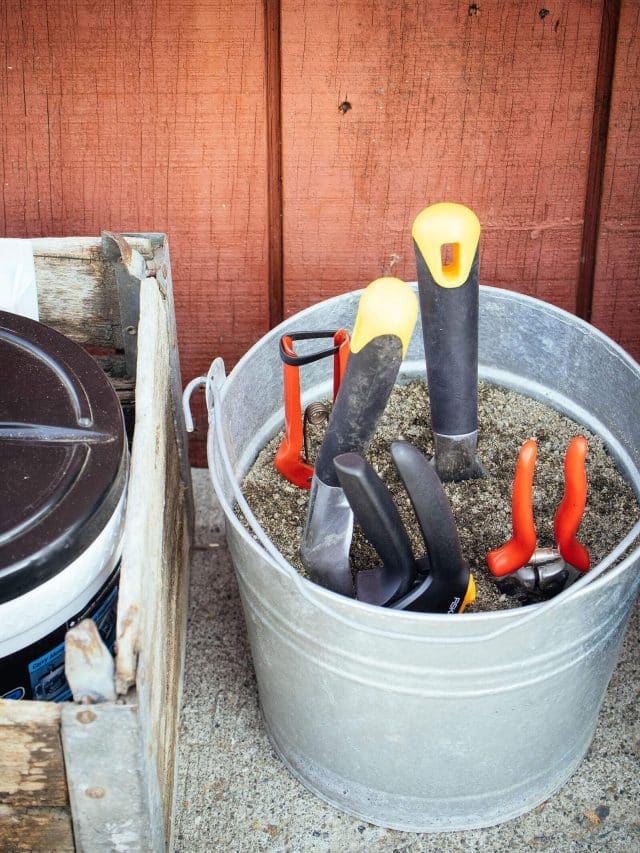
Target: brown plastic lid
[63,453]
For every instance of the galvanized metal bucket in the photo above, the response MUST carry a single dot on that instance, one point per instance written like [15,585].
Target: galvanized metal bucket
[426,722]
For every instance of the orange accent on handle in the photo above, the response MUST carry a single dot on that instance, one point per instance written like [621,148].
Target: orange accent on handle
[340,339]
[470,595]
[289,461]
[518,550]
[569,514]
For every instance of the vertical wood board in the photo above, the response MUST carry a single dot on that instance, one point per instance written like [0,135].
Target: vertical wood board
[146,116]
[616,301]
[34,801]
[492,108]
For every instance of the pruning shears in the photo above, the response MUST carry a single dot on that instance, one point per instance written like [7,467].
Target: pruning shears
[519,563]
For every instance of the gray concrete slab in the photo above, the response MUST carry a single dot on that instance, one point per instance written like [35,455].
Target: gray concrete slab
[234,794]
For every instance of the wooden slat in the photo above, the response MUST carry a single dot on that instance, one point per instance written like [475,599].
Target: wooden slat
[597,157]
[29,713]
[616,299]
[149,115]
[79,298]
[154,575]
[36,830]
[34,802]
[273,86]
[33,770]
[490,106]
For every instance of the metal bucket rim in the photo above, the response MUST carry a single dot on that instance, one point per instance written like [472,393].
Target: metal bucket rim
[326,599]
[499,292]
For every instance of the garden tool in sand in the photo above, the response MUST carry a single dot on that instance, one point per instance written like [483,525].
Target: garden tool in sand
[441,581]
[543,572]
[386,317]
[291,460]
[446,240]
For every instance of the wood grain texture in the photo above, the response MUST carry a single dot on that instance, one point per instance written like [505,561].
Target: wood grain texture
[146,116]
[616,299]
[152,605]
[34,801]
[597,157]
[36,830]
[273,90]
[491,107]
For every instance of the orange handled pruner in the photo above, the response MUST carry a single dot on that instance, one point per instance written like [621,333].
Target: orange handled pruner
[290,461]
[520,552]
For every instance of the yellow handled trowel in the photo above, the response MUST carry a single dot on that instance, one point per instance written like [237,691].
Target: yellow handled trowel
[386,317]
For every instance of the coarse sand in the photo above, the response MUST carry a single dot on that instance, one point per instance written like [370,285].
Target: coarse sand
[482,507]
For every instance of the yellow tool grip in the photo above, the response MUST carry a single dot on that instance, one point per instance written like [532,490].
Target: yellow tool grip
[447,224]
[388,306]
[470,595]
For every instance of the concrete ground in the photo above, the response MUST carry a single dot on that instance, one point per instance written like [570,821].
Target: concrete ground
[234,794]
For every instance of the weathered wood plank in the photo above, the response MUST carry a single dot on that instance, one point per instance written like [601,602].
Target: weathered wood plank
[27,713]
[86,248]
[34,803]
[616,298]
[79,298]
[154,575]
[126,116]
[142,542]
[32,766]
[36,830]
[77,293]
[489,104]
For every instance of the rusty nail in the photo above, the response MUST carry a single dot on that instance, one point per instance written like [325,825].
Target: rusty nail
[95,793]
[85,716]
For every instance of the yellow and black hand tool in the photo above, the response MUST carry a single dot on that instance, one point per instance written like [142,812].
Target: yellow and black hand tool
[449,307]
[386,317]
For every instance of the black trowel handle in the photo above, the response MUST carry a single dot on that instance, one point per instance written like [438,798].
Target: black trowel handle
[387,314]
[452,586]
[449,309]
[374,509]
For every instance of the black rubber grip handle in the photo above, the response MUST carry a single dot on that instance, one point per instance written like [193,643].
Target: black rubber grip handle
[449,570]
[378,516]
[368,379]
[450,332]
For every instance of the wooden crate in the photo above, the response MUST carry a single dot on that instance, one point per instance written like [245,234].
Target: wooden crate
[101,777]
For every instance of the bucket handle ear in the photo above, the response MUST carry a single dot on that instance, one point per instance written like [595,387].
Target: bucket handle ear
[214,383]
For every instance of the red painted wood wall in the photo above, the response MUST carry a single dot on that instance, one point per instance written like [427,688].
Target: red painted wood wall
[219,124]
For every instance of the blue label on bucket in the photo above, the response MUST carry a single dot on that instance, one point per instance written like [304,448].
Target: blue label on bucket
[48,682]
[16,693]
[47,676]
[39,668]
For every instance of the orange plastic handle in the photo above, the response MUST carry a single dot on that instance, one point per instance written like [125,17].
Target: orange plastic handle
[341,340]
[571,509]
[289,461]
[518,550]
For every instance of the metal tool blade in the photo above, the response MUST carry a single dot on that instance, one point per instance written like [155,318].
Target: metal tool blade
[326,539]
